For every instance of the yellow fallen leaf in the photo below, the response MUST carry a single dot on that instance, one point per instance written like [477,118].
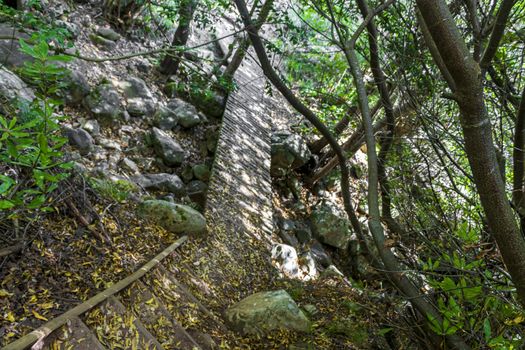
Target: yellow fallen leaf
[46,305]
[4,293]
[37,315]
[10,316]
[519,319]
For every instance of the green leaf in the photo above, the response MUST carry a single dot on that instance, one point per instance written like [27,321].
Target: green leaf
[25,48]
[487,330]
[6,204]
[37,202]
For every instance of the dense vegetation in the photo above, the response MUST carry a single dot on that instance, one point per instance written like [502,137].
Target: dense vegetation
[433,92]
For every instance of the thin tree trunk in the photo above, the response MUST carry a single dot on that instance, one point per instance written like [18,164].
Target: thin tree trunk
[241,51]
[518,155]
[170,63]
[387,139]
[478,137]
[317,146]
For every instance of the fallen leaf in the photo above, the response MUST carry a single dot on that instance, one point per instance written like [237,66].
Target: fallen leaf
[37,315]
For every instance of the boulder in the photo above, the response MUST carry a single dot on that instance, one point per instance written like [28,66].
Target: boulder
[263,312]
[12,88]
[165,118]
[162,182]
[102,42]
[330,225]
[201,172]
[135,87]
[289,151]
[108,33]
[139,106]
[187,116]
[166,148]
[129,165]
[10,55]
[285,259]
[140,100]
[104,103]
[92,126]
[76,87]
[80,139]
[176,218]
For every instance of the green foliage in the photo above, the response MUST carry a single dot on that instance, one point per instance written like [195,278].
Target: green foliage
[471,299]
[349,328]
[118,191]
[30,138]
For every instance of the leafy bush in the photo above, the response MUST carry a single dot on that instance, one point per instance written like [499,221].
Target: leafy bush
[30,138]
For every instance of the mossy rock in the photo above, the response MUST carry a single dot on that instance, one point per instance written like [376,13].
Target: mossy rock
[176,218]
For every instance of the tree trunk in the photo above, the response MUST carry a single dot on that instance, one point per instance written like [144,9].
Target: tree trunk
[171,62]
[241,51]
[478,137]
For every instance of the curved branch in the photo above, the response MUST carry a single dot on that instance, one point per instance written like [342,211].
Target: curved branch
[497,33]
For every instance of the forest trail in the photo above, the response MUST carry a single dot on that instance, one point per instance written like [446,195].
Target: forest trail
[178,303]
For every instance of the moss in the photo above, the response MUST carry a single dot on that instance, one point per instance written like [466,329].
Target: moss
[118,190]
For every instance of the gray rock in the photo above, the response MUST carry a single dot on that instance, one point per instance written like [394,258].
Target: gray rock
[165,118]
[76,87]
[138,106]
[175,103]
[92,127]
[12,88]
[108,33]
[176,218]
[129,165]
[10,55]
[289,151]
[197,192]
[264,312]
[201,172]
[319,254]
[102,42]
[140,100]
[285,258]
[166,148]
[135,87]
[80,139]
[188,116]
[104,103]
[331,226]
[162,182]
[109,144]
